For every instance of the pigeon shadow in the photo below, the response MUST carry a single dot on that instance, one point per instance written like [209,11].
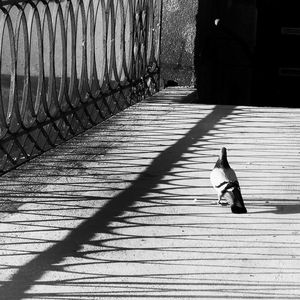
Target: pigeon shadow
[280,209]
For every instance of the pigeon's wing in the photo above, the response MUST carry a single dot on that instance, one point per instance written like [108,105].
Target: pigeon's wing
[230,175]
[220,175]
[217,177]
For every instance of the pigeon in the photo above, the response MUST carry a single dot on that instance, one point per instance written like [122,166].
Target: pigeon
[225,182]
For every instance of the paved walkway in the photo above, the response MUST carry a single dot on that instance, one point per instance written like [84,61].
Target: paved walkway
[126,210]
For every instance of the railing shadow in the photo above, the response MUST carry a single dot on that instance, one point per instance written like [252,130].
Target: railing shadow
[125,233]
[31,272]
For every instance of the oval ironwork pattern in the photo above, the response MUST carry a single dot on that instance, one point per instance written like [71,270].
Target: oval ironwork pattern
[68,65]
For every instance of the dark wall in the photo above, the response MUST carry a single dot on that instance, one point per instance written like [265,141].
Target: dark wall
[216,59]
[245,59]
[277,64]
[178,37]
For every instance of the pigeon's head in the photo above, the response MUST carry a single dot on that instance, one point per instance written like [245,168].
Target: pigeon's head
[222,161]
[223,153]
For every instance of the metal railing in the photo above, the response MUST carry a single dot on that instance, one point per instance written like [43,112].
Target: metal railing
[67,65]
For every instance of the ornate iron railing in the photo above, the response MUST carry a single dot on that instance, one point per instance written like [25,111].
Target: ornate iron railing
[67,65]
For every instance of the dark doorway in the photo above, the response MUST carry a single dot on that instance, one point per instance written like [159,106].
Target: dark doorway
[224,51]
[252,57]
[277,54]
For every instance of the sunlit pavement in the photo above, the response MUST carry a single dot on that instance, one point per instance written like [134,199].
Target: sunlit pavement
[126,210]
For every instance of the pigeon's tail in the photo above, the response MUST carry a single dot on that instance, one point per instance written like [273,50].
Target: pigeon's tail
[238,206]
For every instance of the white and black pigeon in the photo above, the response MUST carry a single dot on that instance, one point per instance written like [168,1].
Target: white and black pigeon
[225,182]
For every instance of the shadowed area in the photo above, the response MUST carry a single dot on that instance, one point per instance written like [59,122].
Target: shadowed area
[126,210]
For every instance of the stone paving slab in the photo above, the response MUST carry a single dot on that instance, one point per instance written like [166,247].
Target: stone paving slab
[126,210]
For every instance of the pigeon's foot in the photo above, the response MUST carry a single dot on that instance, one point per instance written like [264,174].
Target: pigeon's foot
[223,202]
[238,209]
